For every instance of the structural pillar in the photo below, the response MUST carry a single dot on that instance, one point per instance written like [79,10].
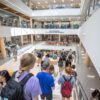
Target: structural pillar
[29,3]
[20,21]
[31,23]
[22,40]
[2,48]
[32,38]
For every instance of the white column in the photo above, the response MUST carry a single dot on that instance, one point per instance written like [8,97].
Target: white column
[31,22]
[32,38]
[22,40]
[20,21]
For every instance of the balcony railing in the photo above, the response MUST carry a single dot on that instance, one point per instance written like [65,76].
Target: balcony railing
[80,92]
[76,26]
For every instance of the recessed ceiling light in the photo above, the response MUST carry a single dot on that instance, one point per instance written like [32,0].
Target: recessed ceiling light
[72,0]
[46,1]
[36,7]
[91,76]
[39,3]
[63,0]
[71,5]
[54,1]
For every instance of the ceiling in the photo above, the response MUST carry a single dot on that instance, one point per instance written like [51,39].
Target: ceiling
[45,4]
[12,11]
[51,4]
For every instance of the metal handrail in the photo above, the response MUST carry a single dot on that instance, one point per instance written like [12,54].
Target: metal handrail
[80,91]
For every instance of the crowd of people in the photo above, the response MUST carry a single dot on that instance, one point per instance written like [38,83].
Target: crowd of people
[12,51]
[23,85]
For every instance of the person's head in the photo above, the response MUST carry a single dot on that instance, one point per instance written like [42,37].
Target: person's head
[60,59]
[51,69]
[70,49]
[47,55]
[68,70]
[4,76]
[67,63]
[27,62]
[95,93]
[73,66]
[70,57]
[45,66]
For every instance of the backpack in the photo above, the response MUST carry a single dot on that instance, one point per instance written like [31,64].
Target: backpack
[39,55]
[66,88]
[14,90]
[63,57]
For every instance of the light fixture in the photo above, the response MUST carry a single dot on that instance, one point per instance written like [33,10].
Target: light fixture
[71,5]
[54,1]
[91,76]
[63,0]
[46,2]
[38,3]
[72,0]
[36,7]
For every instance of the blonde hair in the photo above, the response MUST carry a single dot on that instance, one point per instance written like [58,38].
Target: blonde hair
[27,61]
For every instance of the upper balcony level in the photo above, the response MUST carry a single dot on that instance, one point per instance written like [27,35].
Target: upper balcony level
[14,31]
[14,21]
[35,8]
[51,4]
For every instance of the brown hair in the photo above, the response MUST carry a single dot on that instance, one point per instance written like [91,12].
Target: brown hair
[51,69]
[27,61]
[68,70]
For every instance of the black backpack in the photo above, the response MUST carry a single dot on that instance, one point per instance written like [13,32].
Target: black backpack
[95,93]
[39,55]
[14,90]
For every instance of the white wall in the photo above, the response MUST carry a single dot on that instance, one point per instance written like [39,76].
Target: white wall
[5,31]
[90,37]
[13,31]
